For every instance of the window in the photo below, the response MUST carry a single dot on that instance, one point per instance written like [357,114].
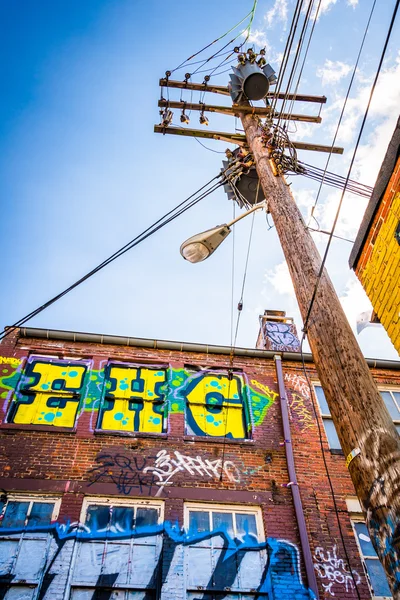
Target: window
[49,392]
[215,405]
[134,399]
[391,398]
[330,430]
[376,574]
[226,552]
[25,544]
[119,548]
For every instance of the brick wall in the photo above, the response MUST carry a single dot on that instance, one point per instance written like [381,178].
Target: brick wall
[83,461]
[378,267]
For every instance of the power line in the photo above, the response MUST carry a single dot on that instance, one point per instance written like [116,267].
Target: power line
[342,111]
[167,218]
[350,167]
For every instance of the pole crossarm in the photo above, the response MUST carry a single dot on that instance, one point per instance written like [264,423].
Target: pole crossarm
[237,138]
[222,89]
[260,111]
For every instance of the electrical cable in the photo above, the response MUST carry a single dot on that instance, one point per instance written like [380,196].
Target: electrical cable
[329,233]
[167,218]
[233,266]
[331,179]
[286,54]
[296,58]
[351,166]
[343,108]
[249,14]
[220,51]
[207,148]
[327,470]
[291,106]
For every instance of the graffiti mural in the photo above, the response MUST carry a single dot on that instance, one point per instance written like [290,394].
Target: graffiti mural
[49,393]
[128,552]
[281,337]
[142,474]
[333,571]
[132,398]
[215,406]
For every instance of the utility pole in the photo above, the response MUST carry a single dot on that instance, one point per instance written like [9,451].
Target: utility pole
[368,437]
[366,431]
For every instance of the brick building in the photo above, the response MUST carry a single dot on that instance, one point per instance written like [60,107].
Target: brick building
[375,256]
[136,469]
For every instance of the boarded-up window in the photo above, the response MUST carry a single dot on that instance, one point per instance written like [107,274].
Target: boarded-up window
[118,556]
[134,399]
[49,392]
[216,405]
[25,545]
[227,556]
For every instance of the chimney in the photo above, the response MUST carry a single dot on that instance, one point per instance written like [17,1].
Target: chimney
[277,332]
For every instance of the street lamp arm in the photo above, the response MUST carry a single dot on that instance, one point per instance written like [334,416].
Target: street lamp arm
[263,204]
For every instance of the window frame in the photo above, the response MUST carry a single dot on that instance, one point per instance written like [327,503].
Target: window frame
[12,407]
[116,502]
[245,406]
[29,534]
[103,397]
[358,517]
[32,498]
[325,417]
[391,389]
[228,508]
[328,416]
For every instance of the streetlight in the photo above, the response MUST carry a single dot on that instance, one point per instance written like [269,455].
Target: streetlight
[202,245]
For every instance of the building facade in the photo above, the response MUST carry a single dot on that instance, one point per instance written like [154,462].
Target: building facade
[138,469]
[375,256]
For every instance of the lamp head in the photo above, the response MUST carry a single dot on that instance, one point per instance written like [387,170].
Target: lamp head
[200,246]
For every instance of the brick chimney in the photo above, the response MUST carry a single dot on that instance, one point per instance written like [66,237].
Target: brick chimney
[277,332]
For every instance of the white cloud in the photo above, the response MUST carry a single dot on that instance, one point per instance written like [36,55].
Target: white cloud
[324,7]
[352,3]
[354,301]
[333,71]
[279,278]
[278,13]
[382,117]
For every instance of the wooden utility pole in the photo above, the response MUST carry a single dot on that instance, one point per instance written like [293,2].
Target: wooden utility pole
[366,432]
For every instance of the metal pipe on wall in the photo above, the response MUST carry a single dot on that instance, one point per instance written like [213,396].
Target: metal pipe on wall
[298,507]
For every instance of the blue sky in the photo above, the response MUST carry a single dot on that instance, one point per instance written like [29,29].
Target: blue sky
[82,172]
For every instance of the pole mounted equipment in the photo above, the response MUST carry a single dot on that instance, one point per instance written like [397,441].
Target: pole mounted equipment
[242,184]
[250,80]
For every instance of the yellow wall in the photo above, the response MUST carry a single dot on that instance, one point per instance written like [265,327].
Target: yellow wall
[380,276]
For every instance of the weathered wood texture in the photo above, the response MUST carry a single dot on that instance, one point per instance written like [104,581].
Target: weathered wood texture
[237,138]
[223,89]
[261,111]
[359,414]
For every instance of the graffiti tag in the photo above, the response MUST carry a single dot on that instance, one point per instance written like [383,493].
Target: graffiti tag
[298,383]
[332,570]
[167,465]
[141,474]
[298,407]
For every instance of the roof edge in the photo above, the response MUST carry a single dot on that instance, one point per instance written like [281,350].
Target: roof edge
[98,338]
